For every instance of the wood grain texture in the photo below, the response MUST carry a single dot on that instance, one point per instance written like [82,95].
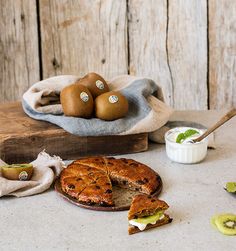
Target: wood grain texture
[187,52]
[82,36]
[147,43]
[19,61]
[166,40]
[36,136]
[222,53]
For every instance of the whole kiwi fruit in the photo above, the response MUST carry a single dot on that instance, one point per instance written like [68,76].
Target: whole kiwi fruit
[111,105]
[77,101]
[95,83]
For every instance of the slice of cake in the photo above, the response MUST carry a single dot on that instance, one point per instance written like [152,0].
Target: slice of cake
[87,184]
[147,212]
[131,174]
[98,162]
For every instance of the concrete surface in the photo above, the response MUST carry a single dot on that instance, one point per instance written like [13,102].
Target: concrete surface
[194,193]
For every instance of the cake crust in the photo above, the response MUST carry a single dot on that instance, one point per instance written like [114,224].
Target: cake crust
[90,180]
[143,205]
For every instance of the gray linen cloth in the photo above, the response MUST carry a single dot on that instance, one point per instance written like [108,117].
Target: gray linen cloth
[147,111]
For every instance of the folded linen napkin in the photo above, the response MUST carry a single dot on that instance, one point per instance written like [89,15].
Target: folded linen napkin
[46,169]
[147,111]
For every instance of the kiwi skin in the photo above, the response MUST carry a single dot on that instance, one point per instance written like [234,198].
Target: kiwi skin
[73,105]
[12,172]
[89,81]
[106,110]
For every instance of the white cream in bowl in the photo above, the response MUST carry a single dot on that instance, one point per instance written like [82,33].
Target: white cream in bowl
[185,152]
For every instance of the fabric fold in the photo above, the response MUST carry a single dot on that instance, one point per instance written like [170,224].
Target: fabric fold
[46,169]
[147,111]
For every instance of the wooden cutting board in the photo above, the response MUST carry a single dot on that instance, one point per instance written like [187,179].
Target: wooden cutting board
[22,138]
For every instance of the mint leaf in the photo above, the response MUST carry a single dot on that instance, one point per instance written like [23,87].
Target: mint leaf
[190,132]
[182,136]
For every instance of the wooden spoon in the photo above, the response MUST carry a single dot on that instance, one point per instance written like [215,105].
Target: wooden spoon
[224,119]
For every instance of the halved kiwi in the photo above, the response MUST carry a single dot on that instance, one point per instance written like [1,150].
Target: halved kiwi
[231,187]
[17,171]
[225,223]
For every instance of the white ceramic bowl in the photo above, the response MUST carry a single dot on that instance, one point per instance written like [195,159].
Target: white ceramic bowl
[186,153]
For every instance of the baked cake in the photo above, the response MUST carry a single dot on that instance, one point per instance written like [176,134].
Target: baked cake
[90,180]
[147,212]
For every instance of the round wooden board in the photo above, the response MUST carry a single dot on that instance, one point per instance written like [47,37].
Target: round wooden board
[121,196]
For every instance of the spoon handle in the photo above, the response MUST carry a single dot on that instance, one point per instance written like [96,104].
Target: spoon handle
[224,119]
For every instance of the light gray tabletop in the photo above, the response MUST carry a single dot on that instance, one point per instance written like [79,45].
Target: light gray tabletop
[194,193]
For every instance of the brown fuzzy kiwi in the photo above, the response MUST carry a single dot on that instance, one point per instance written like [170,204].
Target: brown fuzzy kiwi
[95,83]
[17,171]
[111,105]
[77,101]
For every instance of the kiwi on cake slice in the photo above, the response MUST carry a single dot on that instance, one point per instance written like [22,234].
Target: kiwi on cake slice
[147,212]
[225,223]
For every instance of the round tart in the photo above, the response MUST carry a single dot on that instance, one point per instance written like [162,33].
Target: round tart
[90,180]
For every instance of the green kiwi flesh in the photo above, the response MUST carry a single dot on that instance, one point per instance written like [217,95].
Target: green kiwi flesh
[231,187]
[213,219]
[225,223]
[14,171]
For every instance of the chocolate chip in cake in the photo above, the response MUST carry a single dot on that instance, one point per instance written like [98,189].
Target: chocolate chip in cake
[97,187]
[158,178]
[149,197]
[89,202]
[115,182]
[145,180]
[78,179]
[102,203]
[153,200]
[124,160]
[93,182]
[108,191]
[133,164]
[71,186]
[110,164]
[140,182]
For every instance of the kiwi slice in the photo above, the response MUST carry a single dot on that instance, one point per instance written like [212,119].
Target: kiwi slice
[231,187]
[225,223]
[213,219]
